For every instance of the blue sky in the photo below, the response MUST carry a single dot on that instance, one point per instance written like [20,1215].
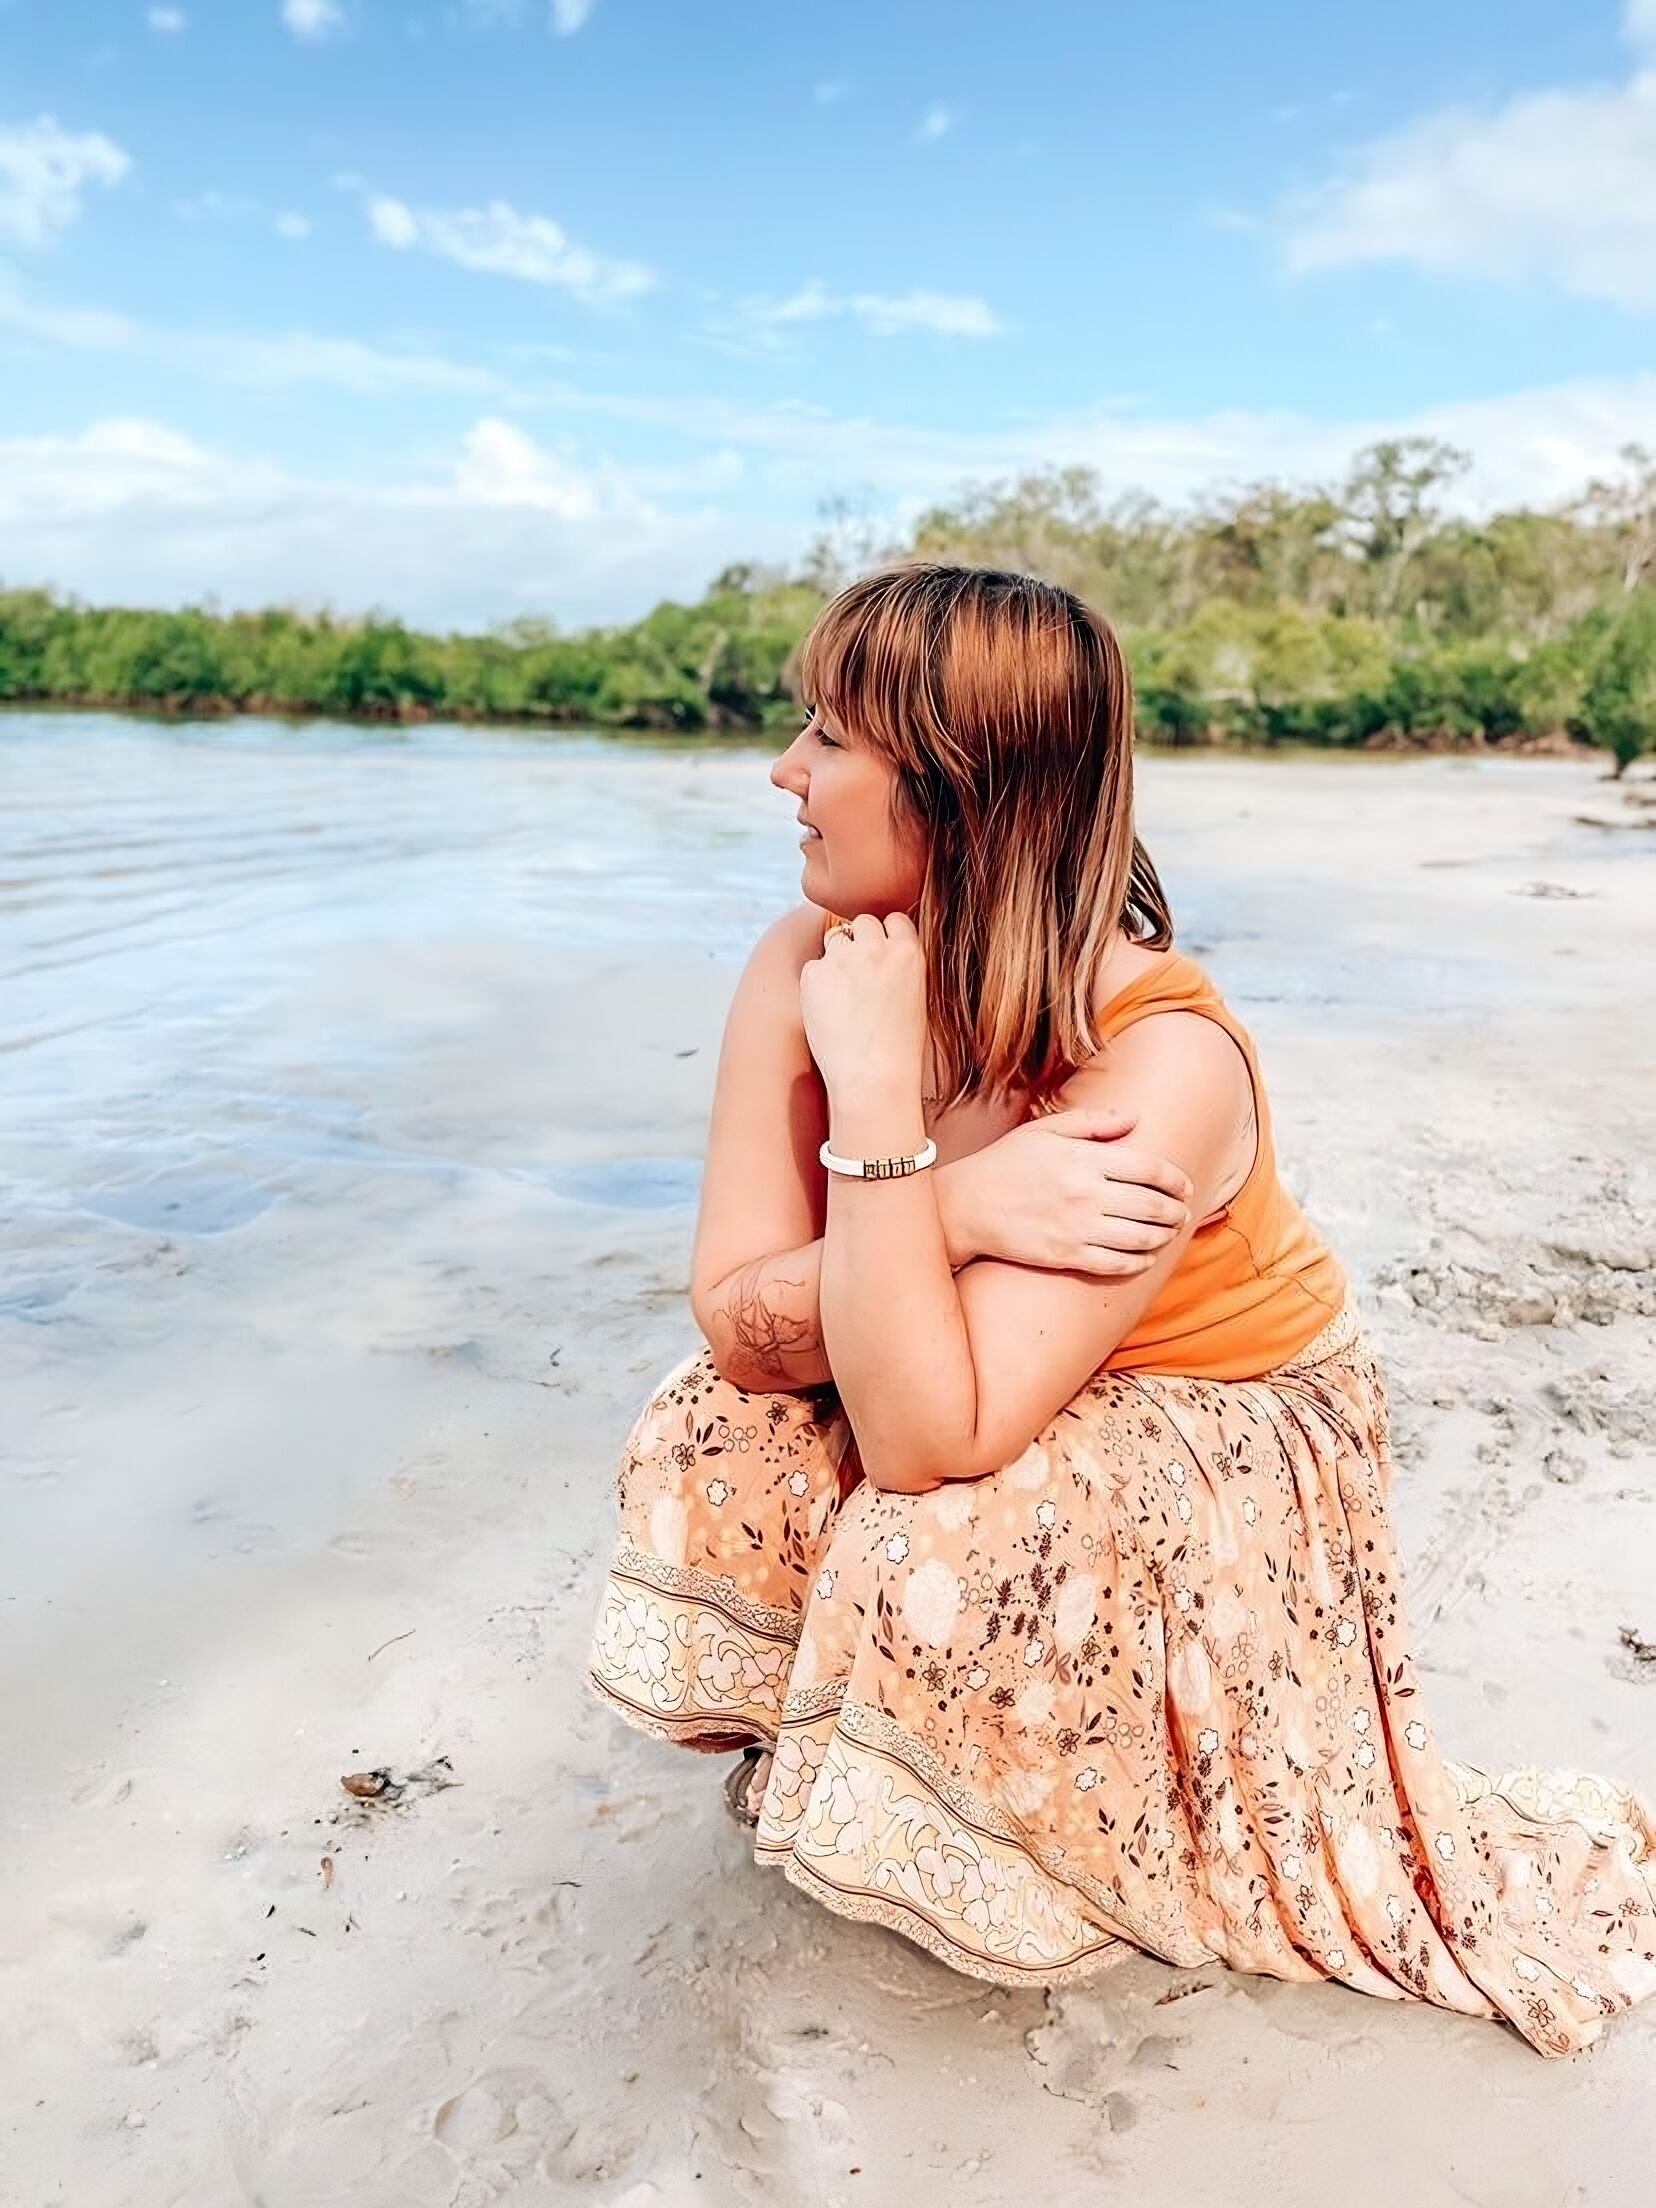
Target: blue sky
[470,308]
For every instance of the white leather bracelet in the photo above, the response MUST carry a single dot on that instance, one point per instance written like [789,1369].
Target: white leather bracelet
[879,1169]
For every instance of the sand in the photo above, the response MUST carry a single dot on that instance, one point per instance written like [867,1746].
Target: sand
[330,1492]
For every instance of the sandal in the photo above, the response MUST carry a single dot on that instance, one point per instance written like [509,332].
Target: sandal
[738,1782]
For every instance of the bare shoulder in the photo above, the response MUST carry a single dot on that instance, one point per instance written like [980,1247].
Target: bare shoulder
[1189,1086]
[766,999]
[1175,1043]
[792,939]
[761,1179]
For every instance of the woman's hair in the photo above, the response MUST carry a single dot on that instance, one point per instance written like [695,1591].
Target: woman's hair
[1005,706]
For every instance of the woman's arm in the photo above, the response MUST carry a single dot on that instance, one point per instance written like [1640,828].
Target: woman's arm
[758,1247]
[947,1378]
[1061,1192]
[763,1322]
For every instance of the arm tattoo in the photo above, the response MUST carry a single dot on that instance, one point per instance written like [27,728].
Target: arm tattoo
[765,1337]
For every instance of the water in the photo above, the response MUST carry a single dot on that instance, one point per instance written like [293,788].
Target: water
[188,912]
[348,1076]
[173,901]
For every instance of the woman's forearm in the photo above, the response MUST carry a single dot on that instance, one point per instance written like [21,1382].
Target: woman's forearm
[891,1318]
[763,1322]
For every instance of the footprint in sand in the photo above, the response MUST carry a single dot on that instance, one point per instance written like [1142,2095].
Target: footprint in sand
[497,2107]
[508,2123]
[528,1931]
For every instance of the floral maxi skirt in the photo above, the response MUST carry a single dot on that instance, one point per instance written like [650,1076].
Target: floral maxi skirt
[1148,1686]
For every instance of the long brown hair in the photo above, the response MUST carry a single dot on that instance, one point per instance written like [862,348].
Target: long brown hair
[1005,705]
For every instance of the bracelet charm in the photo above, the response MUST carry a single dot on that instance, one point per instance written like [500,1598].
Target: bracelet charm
[879,1169]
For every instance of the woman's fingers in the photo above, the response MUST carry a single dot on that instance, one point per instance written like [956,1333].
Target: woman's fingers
[1106,1264]
[1132,1200]
[1135,1235]
[1141,1167]
[1144,1169]
[1094,1122]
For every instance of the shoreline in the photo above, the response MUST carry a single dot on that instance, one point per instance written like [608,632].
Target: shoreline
[736,735]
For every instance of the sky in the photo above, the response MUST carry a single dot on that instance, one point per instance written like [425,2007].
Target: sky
[470,309]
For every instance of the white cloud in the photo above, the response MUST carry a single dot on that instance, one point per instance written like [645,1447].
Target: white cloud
[936,123]
[288,224]
[43,172]
[569,15]
[281,358]
[81,329]
[1557,186]
[392,223]
[344,363]
[830,91]
[1529,447]
[168,21]
[133,512]
[881,314]
[499,241]
[500,466]
[84,477]
[314,20]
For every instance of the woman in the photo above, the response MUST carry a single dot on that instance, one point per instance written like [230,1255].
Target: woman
[1059,1582]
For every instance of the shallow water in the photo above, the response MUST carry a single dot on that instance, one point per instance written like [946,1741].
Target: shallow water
[167,893]
[174,899]
[272,993]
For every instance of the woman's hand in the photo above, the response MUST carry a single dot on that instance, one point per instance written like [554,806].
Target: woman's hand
[1063,1193]
[864,1007]
[1058,1192]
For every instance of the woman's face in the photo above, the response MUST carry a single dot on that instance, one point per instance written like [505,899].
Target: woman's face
[856,861]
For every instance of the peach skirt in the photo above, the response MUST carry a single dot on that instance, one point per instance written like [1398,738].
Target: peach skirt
[1149,1686]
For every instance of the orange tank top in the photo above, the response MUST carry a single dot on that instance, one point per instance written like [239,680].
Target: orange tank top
[1256,1282]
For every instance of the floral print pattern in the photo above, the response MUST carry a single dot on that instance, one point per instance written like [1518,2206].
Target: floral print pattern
[1148,1686]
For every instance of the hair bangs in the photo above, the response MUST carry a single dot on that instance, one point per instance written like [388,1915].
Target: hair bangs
[1005,708]
[864,662]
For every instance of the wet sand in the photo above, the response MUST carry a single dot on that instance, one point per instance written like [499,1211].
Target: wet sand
[354,1093]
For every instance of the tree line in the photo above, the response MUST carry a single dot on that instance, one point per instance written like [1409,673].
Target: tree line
[1364,612]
